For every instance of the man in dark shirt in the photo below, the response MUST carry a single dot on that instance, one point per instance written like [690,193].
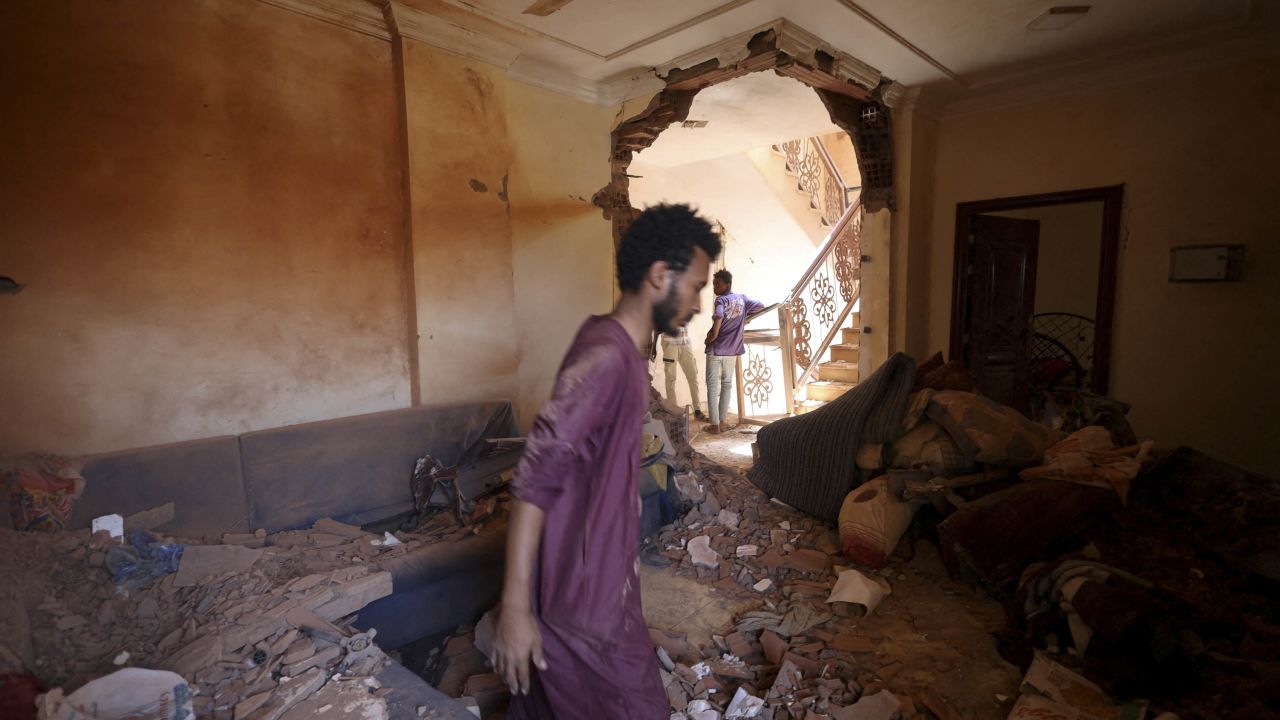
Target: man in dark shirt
[571,601]
[724,345]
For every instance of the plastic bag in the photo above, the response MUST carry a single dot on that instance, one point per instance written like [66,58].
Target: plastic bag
[148,559]
[128,694]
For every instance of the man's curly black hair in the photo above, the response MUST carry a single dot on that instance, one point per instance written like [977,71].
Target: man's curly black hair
[666,233]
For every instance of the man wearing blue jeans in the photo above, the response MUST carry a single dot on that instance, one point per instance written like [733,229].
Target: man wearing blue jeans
[724,345]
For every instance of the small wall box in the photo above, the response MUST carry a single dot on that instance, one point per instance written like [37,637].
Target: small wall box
[1206,263]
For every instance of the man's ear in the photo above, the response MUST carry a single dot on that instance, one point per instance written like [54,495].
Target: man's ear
[659,277]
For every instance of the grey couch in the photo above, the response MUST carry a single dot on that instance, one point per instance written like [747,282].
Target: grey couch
[353,469]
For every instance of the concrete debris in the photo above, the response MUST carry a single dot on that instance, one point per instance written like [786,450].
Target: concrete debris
[701,553]
[854,587]
[883,705]
[201,561]
[256,631]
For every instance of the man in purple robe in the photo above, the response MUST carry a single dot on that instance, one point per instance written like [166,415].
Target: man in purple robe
[571,639]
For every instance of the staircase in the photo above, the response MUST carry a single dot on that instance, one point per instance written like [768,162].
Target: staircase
[816,174]
[813,351]
[837,375]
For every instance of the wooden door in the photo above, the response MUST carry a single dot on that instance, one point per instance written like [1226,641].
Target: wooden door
[1001,301]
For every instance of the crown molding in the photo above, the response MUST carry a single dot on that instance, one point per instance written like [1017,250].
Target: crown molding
[624,86]
[530,71]
[367,17]
[1108,72]
[726,52]
[804,45]
[899,97]
[439,33]
[362,16]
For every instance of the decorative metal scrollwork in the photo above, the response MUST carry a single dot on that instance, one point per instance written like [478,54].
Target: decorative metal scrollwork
[824,299]
[791,151]
[801,332]
[834,200]
[809,173]
[757,379]
[845,264]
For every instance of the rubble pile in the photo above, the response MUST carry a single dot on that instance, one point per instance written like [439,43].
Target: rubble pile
[259,626]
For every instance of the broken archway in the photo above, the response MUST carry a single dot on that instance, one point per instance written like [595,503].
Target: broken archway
[858,99]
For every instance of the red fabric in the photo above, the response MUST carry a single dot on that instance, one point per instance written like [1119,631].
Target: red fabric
[18,693]
[579,467]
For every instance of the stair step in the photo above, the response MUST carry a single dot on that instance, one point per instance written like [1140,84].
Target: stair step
[850,336]
[808,406]
[845,353]
[838,371]
[826,390]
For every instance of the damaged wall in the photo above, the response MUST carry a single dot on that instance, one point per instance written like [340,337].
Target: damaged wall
[208,206]
[459,165]
[204,202]
[1200,161]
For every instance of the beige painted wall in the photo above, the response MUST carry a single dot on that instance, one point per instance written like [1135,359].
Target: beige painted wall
[1069,252]
[785,190]
[562,245]
[459,165]
[204,201]
[766,249]
[914,145]
[1200,159]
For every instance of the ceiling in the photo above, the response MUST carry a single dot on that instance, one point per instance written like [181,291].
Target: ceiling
[963,43]
[742,114]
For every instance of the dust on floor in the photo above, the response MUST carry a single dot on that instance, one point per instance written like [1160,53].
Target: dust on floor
[932,634]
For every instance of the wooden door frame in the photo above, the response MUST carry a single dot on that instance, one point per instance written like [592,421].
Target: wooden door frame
[1112,198]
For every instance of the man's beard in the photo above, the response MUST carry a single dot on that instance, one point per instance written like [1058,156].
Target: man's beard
[664,314]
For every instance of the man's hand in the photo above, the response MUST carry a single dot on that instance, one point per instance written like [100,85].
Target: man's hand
[517,641]
[516,644]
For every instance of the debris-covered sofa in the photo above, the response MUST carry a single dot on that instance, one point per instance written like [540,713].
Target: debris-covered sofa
[354,469]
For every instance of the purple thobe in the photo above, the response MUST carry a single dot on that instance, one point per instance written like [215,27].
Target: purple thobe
[579,466]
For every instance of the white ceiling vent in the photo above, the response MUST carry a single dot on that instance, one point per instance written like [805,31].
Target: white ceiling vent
[1059,17]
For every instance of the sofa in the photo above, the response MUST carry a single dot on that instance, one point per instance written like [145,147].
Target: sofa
[353,469]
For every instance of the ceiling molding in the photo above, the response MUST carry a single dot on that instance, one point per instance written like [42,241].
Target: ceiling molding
[804,45]
[727,52]
[1104,73]
[678,28]
[436,32]
[367,17]
[899,97]
[628,85]
[916,50]
[362,16]
[534,72]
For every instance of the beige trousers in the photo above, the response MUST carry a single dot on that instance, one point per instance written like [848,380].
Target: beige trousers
[682,355]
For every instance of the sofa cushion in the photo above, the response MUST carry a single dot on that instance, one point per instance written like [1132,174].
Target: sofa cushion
[360,466]
[200,477]
[437,588]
